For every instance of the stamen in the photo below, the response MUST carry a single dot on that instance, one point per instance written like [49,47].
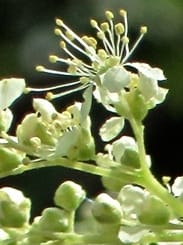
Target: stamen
[143,31]
[77,38]
[58,31]
[51,96]
[42,69]
[93,23]
[109,15]
[53,87]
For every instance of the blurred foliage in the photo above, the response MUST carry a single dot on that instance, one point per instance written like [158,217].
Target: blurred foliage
[26,30]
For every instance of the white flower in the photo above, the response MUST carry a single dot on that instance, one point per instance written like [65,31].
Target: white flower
[102,67]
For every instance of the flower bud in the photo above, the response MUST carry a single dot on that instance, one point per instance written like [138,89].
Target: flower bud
[138,105]
[107,210]
[69,196]
[131,158]
[15,208]
[54,219]
[154,212]
[10,159]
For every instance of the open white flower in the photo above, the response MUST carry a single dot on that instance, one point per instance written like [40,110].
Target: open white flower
[102,63]
[101,66]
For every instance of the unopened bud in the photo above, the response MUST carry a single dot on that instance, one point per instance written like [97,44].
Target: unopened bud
[107,210]
[69,196]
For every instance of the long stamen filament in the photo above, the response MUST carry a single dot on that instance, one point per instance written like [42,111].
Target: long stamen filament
[88,49]
[135,44]
[60,33]
[51,96]
[54,87]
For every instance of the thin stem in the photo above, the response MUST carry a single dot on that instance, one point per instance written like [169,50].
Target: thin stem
[147,179]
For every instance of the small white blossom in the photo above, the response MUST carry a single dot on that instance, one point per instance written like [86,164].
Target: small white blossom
[104,67]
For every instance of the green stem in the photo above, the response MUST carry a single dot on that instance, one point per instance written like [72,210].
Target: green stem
[147,179]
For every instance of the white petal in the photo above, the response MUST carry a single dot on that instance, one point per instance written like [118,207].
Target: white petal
[6,117]
[131,235]
[148,71]
[177,187]
[148,86]
[85,108]
[111,128]
[119,146]
[45,108]
[116,78]
[66,142]
[10,90]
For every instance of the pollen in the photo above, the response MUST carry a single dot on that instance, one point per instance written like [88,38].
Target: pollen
[49,96]
[119,29]
[40,68]
[122,12]
[143,29]
[109,15]
[53,58]
[104,26]
[93,23]
[57,31]
[62,44]
[59,22]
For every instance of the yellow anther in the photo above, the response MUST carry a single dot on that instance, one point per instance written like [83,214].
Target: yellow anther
[59,22]
[40,68]
[72,69]
[166,179]
[119,29]
[91,41]
[84,80]
[123,12]
[69,35]
[104,26]
[125,40]
[93,23]
[35,142]
[102,54]
[53,58]
[100,35]
[109,15]
[57,31]
[62,44]
[143,29]
[49,96]
[27,90]
[112,61]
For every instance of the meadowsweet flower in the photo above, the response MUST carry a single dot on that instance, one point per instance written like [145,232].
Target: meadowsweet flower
[101,62]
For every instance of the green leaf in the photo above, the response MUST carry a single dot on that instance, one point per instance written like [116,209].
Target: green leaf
[111,128]
[10,90]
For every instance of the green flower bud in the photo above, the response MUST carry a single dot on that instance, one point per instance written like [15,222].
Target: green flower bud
[69,196]
[10,159]
[31,127]
[131,158]
[107,210]
[54,219]
[15,208]
[154,212]
[137,103]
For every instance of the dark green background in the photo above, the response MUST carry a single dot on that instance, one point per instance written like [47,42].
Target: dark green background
[26,39]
